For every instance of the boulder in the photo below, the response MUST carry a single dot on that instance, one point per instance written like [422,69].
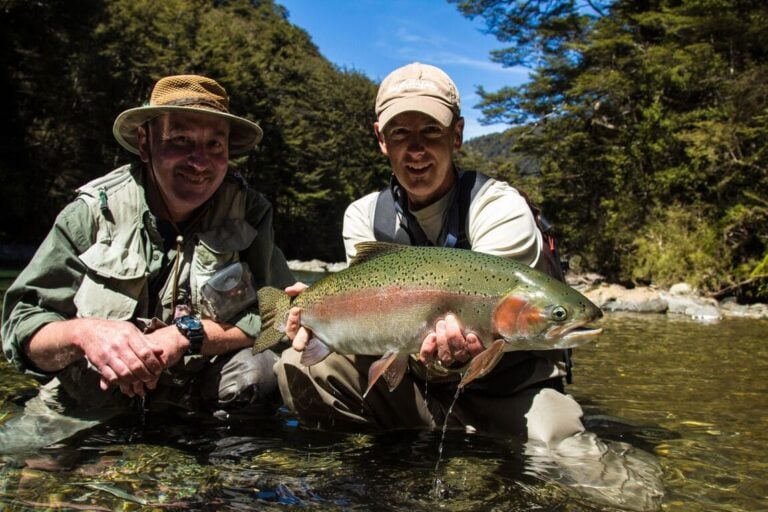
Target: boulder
[614,297]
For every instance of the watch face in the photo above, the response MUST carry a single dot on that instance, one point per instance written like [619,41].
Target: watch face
[189,322]
[192,328]
[193,323]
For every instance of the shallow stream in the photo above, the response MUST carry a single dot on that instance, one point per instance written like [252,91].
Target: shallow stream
[690,395]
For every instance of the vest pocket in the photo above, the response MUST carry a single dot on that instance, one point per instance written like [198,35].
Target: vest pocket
[219,247]
[112,284]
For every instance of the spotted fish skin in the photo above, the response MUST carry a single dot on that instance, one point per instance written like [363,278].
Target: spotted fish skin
[390,297]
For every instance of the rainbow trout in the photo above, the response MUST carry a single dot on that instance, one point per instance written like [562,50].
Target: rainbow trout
[389,298]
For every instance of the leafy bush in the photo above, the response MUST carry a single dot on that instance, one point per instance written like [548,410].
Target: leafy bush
[677,245]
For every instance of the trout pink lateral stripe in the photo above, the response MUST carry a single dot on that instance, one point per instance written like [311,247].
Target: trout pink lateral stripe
[375,303]
[390,297]
[355,316]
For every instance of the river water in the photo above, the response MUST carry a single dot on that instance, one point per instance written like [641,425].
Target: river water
[690,396]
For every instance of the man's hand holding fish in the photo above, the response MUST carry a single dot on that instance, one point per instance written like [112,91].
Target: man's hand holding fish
[447,344]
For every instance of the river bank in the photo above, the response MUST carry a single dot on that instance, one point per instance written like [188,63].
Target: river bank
[679,299]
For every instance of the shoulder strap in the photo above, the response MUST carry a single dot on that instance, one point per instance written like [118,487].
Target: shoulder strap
[391,202]
[384,217]
[549,250]
[469,184]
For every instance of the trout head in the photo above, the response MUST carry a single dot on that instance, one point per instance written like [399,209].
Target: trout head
[545,321]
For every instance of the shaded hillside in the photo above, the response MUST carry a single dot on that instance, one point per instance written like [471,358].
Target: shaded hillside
[498,154]
[68,72]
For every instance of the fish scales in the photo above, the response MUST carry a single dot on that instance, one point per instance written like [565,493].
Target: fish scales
[354,320]
[435,270]
[388,301]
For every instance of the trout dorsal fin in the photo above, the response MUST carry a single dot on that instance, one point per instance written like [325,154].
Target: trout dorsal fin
[370,250]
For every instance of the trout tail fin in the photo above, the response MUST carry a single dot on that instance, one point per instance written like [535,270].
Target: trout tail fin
[273,308]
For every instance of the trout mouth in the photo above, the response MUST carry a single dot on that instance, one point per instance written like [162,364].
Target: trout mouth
[574,332]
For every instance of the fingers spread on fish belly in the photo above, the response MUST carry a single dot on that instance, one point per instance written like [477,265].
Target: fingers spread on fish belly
[455,340]
[428,349]
[474,345]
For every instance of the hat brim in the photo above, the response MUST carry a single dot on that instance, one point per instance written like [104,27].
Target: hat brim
[244,135]
[434,108]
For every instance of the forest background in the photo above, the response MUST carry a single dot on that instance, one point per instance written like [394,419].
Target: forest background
[642,131]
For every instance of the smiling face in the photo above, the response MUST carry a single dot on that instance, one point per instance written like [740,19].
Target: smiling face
[188,155]
[420,151]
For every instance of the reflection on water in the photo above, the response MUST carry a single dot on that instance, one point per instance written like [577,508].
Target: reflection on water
[700,389]
[690,394]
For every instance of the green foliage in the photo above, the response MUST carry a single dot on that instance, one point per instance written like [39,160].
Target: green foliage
[643,113]
[533,28]
[677,245]
[46,62]
[69,72]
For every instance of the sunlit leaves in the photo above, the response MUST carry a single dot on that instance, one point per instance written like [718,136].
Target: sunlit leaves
[647,108]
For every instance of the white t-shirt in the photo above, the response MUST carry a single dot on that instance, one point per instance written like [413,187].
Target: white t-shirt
[500,222]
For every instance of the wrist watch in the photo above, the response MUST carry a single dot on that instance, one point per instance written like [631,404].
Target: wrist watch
[192,329]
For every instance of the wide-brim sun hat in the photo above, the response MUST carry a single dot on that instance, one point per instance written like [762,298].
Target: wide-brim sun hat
[418,87]
[187,93]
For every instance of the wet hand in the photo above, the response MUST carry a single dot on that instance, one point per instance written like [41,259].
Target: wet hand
[138,388]
[169,346]
[298,334]
[448,344]
[296,288]
[120,353]
[293,329]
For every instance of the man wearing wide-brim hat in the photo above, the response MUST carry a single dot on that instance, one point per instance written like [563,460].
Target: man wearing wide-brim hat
[145,286]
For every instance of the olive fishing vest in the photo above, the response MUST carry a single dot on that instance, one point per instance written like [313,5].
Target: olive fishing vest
[128,249]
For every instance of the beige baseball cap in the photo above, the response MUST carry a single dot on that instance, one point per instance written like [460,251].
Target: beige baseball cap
[420,88]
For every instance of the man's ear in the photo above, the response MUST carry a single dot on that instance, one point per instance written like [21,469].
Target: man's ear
[458,132]
[380,138]
[142,137]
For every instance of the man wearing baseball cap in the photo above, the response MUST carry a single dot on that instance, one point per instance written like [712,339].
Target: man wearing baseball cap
[431,202]
[144,290]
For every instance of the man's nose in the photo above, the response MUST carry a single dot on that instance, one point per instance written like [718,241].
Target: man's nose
[415,144]
[198,157]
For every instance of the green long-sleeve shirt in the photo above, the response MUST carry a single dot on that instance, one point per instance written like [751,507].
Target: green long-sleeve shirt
[44,291]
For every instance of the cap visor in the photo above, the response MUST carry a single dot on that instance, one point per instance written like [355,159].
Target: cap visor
[435,109]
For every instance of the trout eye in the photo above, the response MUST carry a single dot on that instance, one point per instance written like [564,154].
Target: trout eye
[559,313]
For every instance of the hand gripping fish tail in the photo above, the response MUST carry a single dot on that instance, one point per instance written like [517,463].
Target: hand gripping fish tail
[273,308]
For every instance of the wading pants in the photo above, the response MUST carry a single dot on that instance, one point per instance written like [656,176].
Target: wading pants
[329,395]
[74,401]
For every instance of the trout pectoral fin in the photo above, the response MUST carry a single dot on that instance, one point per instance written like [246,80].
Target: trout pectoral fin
[314,352]
[391,366]
[483,363]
